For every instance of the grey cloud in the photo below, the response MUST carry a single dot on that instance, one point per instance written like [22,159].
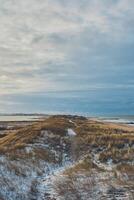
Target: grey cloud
[65,44]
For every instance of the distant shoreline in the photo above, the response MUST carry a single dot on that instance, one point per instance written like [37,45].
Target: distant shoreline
[24,117]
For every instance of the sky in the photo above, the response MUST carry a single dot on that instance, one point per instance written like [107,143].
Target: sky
[61,47]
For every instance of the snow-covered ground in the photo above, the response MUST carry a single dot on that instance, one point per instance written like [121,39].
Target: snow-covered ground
[57,166]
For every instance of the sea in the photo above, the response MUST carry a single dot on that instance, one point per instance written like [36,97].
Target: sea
[19,118]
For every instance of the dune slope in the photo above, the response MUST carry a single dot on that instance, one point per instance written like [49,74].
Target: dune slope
[67,157]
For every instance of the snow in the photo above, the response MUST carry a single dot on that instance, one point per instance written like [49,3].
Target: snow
[38,179]
[71,132]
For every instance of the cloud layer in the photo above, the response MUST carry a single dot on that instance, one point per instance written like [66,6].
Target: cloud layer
[58,45]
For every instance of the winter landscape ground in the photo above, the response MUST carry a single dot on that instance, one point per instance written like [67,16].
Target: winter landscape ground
[66,158]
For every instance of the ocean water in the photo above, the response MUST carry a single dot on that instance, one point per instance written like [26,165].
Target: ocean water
[13,118]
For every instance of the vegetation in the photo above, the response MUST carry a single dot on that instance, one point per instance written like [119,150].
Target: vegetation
[101,150]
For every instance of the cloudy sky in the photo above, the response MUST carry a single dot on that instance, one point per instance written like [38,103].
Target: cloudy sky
[58,45]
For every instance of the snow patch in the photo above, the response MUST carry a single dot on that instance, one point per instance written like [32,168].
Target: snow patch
[28,149]
[71,132]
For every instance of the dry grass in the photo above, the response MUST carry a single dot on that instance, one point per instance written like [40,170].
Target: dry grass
[18,139]
[116,139]
[48,141]
[83,166]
